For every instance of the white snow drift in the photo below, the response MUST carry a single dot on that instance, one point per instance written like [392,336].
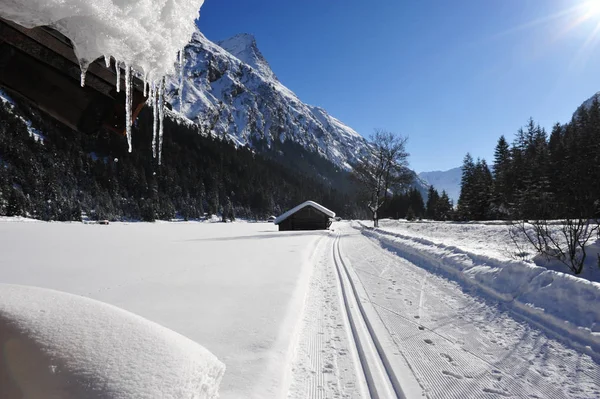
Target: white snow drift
[62,345]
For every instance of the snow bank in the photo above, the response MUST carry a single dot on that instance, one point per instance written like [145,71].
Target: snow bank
[61,345]
[557,301]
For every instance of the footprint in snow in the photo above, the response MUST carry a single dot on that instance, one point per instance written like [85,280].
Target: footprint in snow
[451,374]
[447,357]
[496,391]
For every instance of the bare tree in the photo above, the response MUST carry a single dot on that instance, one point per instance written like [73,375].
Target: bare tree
[383,170]
[564,240]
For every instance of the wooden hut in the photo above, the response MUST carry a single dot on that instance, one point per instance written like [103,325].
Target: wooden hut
[39,65]
[307,216]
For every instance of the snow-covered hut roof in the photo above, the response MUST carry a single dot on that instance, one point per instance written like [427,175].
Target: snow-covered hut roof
[289,213]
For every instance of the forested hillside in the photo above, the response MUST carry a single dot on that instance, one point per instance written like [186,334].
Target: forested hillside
[538,176]
[66,174]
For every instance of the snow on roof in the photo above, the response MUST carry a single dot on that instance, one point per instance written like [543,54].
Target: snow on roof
[74,347]
[320,207]
[144,34]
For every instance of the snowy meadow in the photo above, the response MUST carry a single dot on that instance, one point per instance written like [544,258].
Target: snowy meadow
[236,288]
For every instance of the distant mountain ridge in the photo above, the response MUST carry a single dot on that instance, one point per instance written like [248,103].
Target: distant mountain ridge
[448,180]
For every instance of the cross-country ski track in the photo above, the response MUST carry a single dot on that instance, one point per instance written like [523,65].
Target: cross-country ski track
[412,331]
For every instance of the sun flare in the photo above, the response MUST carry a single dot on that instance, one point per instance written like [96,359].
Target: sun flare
[592,8]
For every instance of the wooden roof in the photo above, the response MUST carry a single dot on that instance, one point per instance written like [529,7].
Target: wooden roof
[40,65]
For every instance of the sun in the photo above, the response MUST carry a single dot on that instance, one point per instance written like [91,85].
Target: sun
[589,15]
[592,9]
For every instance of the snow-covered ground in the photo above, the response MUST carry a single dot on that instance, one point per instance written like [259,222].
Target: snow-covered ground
[490,239]
[459,341]
[237,289]
[403,311]
[58,345]
[426,319]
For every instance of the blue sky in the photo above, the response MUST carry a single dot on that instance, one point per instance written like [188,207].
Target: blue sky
[451,75]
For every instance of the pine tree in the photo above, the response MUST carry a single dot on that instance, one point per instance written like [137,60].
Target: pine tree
[466,198]
[482,194]
[533,193]
[444,207]
[432,203]
[502,195]
[410,214]
[416,202]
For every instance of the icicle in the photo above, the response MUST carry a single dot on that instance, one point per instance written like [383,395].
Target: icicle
[161,116]
[155,116]
[128,104]
[83,65]
[118,68]
[146,85]
[107,60]
[181,65]
[151,93]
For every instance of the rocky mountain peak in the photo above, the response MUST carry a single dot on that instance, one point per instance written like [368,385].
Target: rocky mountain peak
[243,46]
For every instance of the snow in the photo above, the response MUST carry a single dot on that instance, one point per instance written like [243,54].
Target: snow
[458,337]
[477,255]
[243,46]
[492,239]
[63,344]
[33,132]
[238,289]
[324,360]
[295,209]
[316,314]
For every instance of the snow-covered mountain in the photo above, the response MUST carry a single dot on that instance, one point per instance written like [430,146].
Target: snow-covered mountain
[231,91]
[587,104]
[244,48]
[448,180]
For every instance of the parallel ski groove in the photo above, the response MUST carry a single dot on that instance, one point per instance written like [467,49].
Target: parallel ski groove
[378,374]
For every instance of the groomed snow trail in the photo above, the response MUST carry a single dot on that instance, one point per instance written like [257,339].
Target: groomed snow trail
[344,350]
[325,363]
[457,343]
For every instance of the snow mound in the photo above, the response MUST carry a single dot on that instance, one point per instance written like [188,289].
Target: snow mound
[55,344]
[144,34]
